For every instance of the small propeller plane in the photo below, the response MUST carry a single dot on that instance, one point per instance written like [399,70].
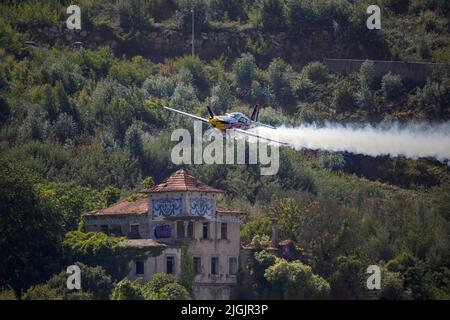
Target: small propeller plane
[235,121]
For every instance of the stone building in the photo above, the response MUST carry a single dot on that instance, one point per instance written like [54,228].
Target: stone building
[179,211]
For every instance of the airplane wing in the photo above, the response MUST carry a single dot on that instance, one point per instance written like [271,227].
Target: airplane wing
[186,114]
[258,136]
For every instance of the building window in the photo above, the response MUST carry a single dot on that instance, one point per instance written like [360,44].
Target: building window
[190,230]
[232,266]
[139,267]
[104,229]
[115,230]
[169,265]
[223,231]
[205,230]
[214,265]
[180,229]
[197,265]
[134,232]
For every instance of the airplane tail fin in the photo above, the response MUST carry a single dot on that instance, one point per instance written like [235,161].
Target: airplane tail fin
[211,114]
[255,113]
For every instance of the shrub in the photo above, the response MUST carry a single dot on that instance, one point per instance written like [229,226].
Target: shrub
[316,72]
[333,161]
[41,292]
[158,86]
[300,16]
[272,15]
[127,290]
[173,291]
[98,61]
[294,280]
[7,294]
[133,15]
[244,70]
[227,9]
[158,281]
[392,87]
[304,88]
[34,126]
[272,116]
[259,226]
[279,84]
[183,98]
[367,74]
[133,140]
[259,93]
[132,72]
[11,40]
[185,15]
[65,128]
[200,77]
[221,97]
[435,96]
[365,97]
[423,49]
[57,68]
[343,97]
[95,284]
[398,6]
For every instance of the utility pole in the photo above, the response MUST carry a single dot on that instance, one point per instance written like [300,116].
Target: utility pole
[193,50]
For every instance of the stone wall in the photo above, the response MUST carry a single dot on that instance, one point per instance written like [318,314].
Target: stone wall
[165,42]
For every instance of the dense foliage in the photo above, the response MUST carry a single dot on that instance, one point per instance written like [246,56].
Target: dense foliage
[81,129]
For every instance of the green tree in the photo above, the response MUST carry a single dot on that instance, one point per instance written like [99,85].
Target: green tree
[392,287]
[133,140]
[279,84]
[174,291]
[133,15]
[343,97]
[41,292]
[95,283]
[187,269]
[220,96]
[294,280]
[111,195]
[30,241]
[244,70]
[316,72]
[272,15]
[7,293]
[366,74]
[184,14]
[392,87]
[200,76]
[227,9]
[348,280]
[99,249]
[127,290]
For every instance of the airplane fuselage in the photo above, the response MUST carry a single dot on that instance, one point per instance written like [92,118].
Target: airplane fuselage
[235,120]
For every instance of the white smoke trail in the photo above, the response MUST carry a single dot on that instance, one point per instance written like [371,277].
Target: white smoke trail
[411,141]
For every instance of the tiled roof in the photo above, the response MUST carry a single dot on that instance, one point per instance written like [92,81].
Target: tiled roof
[136,207]
[181,181]
[221,210]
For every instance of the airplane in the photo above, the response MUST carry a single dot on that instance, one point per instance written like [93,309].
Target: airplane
[235,121]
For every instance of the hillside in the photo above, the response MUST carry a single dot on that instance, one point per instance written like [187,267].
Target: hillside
[82,128]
